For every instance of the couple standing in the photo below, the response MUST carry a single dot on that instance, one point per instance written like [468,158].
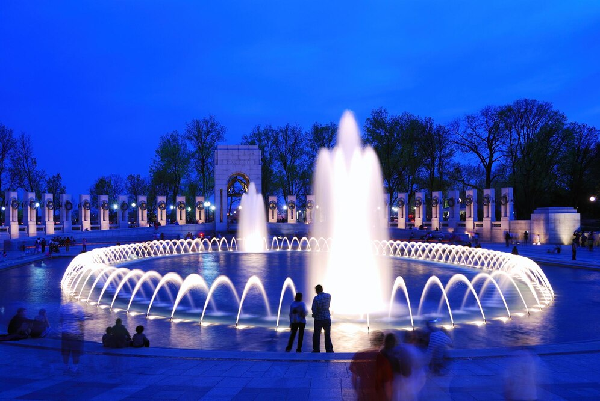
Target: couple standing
[321,315]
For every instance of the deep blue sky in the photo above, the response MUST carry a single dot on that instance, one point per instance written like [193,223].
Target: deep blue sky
[95,83]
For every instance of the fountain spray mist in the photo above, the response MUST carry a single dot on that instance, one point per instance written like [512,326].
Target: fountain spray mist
[350,211]
[252,228]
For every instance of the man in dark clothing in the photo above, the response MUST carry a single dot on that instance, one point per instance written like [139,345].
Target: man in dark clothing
[121,335]
[19,324]
[43,245]
[320,312]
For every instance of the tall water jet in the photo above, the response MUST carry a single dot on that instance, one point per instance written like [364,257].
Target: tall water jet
[252,228]
[350,210]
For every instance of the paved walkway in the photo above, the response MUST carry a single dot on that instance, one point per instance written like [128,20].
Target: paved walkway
[33,369]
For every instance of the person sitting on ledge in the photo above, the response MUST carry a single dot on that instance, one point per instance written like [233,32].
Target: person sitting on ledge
[139,338]
[108,340]
[41,326]
[556,249]
[121,336]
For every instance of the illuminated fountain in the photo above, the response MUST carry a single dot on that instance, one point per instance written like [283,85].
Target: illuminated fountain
[348,253]
[351,212]
[500,282]
[252,230]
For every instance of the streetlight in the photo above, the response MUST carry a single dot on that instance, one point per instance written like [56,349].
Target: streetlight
[592,199]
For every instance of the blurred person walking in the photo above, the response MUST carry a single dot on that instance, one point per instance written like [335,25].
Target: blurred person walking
[72,336]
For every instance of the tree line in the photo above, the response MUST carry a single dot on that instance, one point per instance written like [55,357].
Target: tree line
[528,145]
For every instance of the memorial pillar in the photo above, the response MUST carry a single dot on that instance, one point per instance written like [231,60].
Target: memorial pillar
[436,211]
[453,209]
[489,212]
[419,208]
[30,214]
[123,211]
[11,214]
[85,207]
[507,213]
[103,212]
[272,209]
[471,210]
[200,212]
[180,210]
[142,214]
[402,210]
[291,209]
[66,208]
[310,208]
[161,210]
[48,213]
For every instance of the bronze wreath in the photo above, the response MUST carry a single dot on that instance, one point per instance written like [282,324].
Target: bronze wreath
[272,205]
[504,200]
[143,205]
[124,206]
[162,205]
[14,204]
[469,200]
[104,205]
[401,202]
[291,205]
[68,205]
[32,204]
[86,205]
[200,205]
[486,200]
[435,201]
[451,202]
[181,205]
[418,202]
[309,204]
[50,204]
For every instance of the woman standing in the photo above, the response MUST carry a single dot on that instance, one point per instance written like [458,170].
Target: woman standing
[298,313]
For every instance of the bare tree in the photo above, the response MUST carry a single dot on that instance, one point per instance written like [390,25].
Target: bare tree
[7,143]
[23,170]
[203,136]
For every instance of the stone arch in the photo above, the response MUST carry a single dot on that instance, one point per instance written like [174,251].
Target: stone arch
[239,164]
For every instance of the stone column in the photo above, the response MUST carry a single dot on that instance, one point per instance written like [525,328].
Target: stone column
[436,211]
[142,214]
[180,210]
[272,209]
[30,214]
[200,212]
[453,208]
[291,208]
[471,209]
[507,204]
[103,212]
[506,211]
[419,208]
[161,210]
[66,208]
[489,212]
[123,211]
[47,205]
[85,211]
[402,210]
[11,214]
[386,210]
[310,208]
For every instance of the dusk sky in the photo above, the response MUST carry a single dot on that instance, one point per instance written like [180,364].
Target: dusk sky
[95,83]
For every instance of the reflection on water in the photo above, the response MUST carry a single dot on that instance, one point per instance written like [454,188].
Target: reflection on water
[570,318]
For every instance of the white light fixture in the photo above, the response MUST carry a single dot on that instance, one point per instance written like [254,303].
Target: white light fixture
[207,204]
[37,204]
[133,204]
[115,206]
[592,199]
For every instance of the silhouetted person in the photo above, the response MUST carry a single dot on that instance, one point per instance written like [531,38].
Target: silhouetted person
[71,319]
[84,245]
[120,334]
[515,251]
[41,326]
[574,250]
[108,340]
[507,238]
[322,316]
[371,371]
[139,338]
[591,240]
[43,245]
[298,312]
[68,244]
[20,326]
[526,237]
